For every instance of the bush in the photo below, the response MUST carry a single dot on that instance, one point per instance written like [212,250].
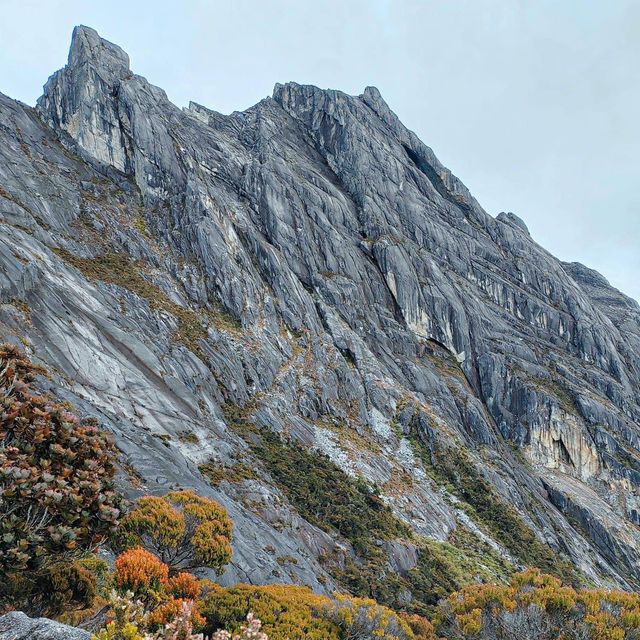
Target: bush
[128,619]
[286,612]
[181,627]
[184,585]
[421,627]
[65,588]
[58,589]
[161,601]
[249,631]
[184,530]
[363,618]
[142,573]
[539,607]
[57,498]
[171,609]
[291,613]
[174,619]
[101,572]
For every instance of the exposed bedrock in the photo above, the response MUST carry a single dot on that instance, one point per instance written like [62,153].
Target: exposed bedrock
[308,266]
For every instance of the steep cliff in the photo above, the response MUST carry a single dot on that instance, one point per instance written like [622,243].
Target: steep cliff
[308,268]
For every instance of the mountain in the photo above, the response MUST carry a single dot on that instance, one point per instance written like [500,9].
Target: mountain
[298,311]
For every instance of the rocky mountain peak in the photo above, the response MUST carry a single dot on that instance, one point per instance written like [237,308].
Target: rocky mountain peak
[88,48]
[512,218]
[307,268]
[82,98]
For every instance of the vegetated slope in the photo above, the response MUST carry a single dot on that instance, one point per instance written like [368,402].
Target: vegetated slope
[296,309]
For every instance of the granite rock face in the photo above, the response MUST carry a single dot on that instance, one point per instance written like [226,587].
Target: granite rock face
[310,265]
[18,626]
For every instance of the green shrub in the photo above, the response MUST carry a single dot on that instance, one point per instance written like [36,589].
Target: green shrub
[63,588]
[326,496]
[57,496]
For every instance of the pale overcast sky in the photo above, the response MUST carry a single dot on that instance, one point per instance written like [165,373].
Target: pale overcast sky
[534,104]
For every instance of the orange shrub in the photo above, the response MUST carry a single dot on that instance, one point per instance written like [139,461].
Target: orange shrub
[184,585]
[139,571]
[168,611]
[421,627]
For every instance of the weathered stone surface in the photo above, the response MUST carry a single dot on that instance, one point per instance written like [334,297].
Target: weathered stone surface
[373,296]
[18,626]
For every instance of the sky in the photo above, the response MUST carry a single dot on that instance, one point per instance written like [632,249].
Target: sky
[533,104]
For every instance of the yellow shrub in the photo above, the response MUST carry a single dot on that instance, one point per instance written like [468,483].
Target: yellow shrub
[287,612]
[183,529]
[294,613]
[594,613]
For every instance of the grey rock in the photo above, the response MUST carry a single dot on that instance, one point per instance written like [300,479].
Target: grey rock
[18,626]
[372,295]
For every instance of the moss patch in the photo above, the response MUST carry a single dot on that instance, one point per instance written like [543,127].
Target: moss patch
[326,496]
[454,469]
[215,473]
[140,224]
[188,437]
[120,270]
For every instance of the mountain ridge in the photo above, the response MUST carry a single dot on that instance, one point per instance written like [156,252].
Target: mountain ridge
[308,267]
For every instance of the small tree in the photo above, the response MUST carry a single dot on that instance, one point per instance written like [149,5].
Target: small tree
[57,498]
[183,529]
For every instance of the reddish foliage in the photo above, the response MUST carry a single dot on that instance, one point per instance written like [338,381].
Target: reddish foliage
[168,611]
[141,572]
[184,585]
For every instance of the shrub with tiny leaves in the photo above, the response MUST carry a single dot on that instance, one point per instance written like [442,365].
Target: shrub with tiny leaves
[139,571]
[251,630]
[170,610]
[184,585]
[127,619]
[57,497]
[537,606]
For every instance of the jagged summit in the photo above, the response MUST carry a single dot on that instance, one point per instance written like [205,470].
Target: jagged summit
[308,267]
[88,48]
[76,95]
